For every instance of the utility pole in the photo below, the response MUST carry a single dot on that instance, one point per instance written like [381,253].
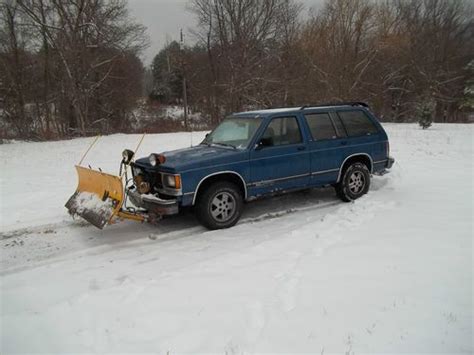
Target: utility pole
[185,96]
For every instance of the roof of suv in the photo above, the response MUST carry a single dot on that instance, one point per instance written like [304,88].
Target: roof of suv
[272,111]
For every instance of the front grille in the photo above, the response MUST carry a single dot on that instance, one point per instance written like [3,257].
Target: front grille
[152,177]
[158,180]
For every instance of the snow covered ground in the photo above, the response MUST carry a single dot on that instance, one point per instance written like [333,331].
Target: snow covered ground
[389,273]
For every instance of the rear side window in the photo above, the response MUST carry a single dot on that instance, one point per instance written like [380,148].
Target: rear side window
[283,130]
[357,123]
[321,126]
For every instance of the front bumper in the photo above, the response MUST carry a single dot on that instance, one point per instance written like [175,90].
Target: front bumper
[153,204]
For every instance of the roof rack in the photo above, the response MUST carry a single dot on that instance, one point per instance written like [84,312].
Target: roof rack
[351,103]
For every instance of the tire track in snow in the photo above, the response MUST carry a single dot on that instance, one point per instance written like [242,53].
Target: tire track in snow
[141,237]
[43,228]
[107,240]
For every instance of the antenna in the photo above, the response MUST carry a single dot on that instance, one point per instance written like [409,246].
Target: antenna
[185,94]
[183,64]
[183,71]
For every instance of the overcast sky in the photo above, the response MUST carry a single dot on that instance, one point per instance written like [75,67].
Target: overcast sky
[164,19]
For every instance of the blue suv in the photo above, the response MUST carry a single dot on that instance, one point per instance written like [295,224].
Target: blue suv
[260,153]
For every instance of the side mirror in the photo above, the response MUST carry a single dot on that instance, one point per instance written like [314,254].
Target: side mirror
[264,142]
[205,140]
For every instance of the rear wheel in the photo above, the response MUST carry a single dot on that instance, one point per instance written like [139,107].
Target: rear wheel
[354,183]
[220,205]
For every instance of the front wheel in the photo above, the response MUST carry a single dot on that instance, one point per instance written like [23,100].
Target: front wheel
[220,205]
[354,183]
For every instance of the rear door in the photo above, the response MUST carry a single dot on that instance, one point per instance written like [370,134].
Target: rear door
[283,163]
[364,136]
[328,139]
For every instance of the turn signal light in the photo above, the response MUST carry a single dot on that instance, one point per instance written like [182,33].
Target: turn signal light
[177,181]
[156,159]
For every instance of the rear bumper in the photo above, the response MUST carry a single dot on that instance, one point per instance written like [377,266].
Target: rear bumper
[153,204]
[382,166]
[390,162]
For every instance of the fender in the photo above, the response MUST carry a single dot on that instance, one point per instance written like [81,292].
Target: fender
[220,173]
[353,155]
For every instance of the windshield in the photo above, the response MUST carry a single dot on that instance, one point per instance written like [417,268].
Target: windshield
[234,132]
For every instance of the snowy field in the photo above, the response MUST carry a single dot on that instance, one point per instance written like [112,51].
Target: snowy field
[389,273]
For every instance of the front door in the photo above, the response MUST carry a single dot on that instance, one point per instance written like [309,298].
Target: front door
[280,161]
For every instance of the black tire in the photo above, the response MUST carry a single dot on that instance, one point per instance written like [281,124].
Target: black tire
[354,183]
[219,205]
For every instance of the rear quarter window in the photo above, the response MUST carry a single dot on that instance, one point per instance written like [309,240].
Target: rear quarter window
[357,123]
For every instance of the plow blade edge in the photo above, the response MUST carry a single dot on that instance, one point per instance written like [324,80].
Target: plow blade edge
[98,198]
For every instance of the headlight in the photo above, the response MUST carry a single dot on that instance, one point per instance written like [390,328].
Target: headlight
[152,159]
[127,156]
[156,159]
[173,181]
[169,181]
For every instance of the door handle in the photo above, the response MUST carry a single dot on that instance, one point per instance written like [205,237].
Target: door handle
[344,143]
[302,148]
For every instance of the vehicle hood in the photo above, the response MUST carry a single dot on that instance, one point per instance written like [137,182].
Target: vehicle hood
[195,157]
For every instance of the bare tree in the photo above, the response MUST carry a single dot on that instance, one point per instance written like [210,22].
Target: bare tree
[13,58]
[340,48]
[79,47]
[241,38]
[439,43]
[72,67]
[391,53]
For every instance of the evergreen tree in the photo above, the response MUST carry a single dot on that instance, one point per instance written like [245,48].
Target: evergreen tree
[167,74]
[425,113]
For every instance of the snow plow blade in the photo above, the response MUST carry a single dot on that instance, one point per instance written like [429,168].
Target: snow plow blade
[98,197]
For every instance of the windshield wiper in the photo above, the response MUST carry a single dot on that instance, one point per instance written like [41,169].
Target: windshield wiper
[225,144]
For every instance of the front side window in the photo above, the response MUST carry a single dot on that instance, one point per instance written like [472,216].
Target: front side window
[357,123]
[282,131]
[234,131]
[321,126]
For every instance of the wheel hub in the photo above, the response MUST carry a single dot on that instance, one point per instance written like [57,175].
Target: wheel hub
[356,182]
[223,206]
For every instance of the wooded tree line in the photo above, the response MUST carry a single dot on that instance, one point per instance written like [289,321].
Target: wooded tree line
[72,67]
[68,67]
[394,54]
